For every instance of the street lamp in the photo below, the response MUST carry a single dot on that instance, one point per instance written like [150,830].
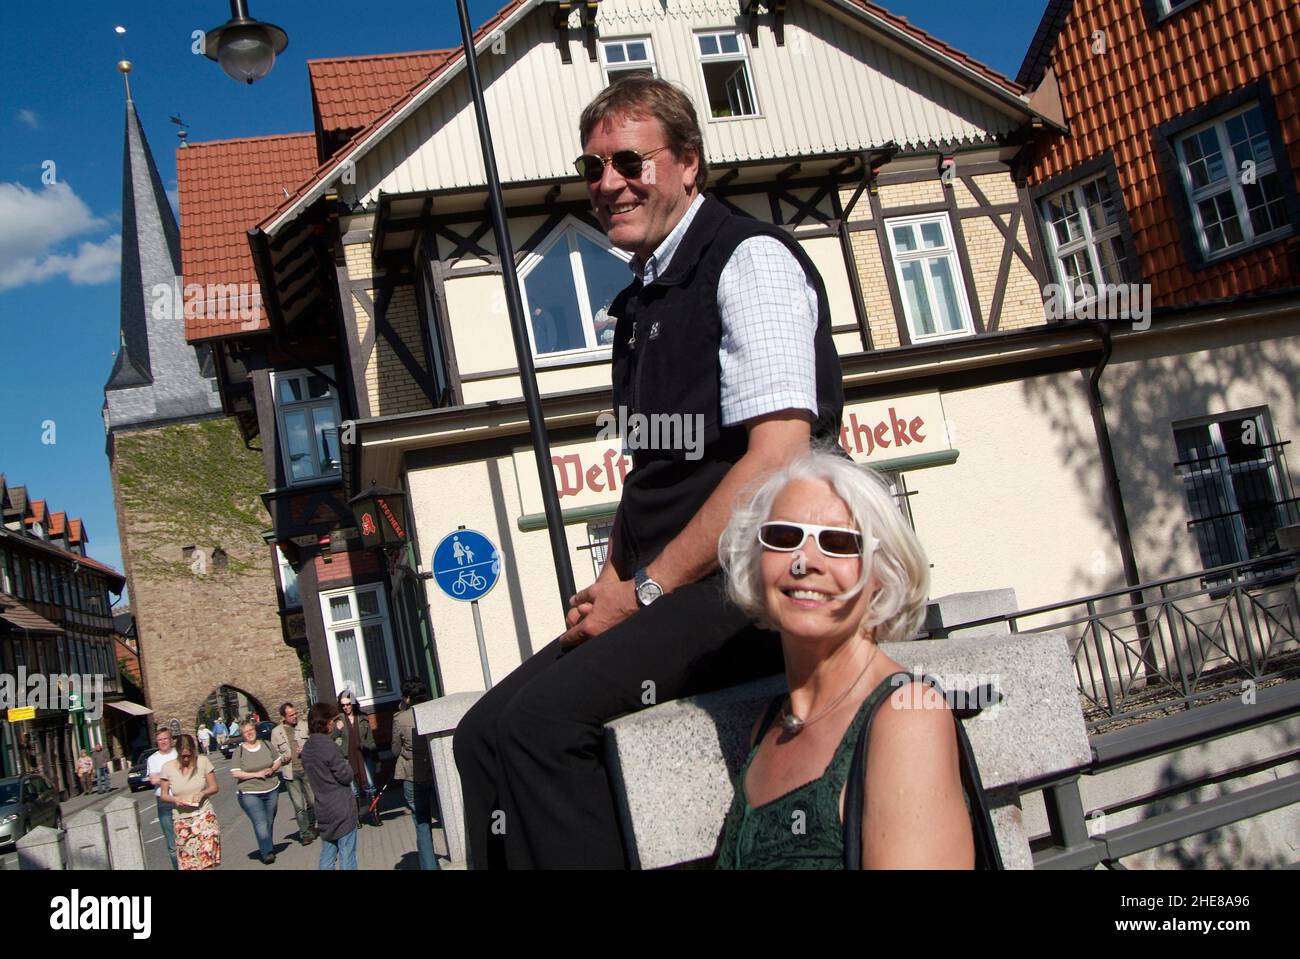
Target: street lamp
[245,48]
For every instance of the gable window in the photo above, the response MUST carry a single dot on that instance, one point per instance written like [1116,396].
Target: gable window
[929,277]
[568,283]
[724,63]
[627,58]
[307,411]
[1229,180]
[360,642]
[1238,489]
[1084,233]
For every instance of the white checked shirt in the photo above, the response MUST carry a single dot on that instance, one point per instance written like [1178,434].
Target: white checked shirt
[769,315]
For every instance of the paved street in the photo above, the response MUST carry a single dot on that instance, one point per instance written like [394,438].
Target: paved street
[388,846]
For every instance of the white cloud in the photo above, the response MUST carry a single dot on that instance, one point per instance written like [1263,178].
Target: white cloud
[32,224]
[29,118]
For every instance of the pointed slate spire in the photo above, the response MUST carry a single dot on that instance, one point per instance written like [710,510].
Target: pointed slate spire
[156,375]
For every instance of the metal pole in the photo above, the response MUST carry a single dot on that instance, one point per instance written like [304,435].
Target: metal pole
[514,306]
[482,647]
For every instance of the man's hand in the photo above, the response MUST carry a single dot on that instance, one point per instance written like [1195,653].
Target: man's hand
[605,603]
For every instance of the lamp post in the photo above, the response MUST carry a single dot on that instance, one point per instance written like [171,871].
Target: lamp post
[514,305]
[250,51]
[245,48]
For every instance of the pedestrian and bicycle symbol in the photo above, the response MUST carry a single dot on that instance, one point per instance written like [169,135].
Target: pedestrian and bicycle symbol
[466,565]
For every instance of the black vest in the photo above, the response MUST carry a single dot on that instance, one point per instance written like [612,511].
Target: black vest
[666,344]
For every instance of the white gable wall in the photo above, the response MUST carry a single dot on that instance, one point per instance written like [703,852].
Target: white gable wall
[831,88]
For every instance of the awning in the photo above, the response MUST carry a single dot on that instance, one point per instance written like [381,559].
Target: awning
[130,708]
[24,620]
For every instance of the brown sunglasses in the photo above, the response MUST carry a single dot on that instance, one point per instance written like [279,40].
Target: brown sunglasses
[628,163]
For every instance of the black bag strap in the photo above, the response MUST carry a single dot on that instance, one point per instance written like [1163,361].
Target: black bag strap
[987,855]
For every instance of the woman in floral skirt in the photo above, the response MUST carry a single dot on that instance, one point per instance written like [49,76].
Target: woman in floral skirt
[188,781]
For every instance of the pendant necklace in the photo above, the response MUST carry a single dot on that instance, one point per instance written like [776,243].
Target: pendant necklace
[794,725]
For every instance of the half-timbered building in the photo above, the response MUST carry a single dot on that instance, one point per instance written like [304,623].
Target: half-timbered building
[381,350]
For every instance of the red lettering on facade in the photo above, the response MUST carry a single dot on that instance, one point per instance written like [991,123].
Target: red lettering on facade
[882,435]
[592,477]
[563,464]
[914,428]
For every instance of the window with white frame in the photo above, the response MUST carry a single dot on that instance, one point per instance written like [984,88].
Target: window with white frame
[1084,232]
[929,276]
[307,411]
[724,63]
[569,282]
[627,58]
[1232,182]
[360,639]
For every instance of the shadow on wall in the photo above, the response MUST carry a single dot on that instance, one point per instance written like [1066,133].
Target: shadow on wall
[1142,401]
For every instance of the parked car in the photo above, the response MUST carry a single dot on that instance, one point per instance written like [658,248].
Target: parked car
[263,732]
[136,777]
[27,801]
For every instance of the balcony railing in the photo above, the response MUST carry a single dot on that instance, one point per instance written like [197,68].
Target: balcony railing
[1169,644]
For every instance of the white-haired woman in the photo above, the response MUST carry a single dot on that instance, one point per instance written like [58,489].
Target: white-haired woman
[823,556]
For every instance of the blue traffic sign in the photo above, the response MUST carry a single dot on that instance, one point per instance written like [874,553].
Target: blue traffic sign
[466,565]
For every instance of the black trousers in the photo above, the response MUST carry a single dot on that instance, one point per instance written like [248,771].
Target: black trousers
[531,751]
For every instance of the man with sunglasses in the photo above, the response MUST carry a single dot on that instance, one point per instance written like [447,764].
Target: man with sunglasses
[726,320]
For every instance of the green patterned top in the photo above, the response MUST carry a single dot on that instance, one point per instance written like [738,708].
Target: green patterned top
[800,829]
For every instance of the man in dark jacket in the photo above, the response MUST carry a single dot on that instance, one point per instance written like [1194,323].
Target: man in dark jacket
[725,327]
[331,783]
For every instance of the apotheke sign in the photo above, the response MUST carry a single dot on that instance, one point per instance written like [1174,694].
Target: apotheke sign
[874,433]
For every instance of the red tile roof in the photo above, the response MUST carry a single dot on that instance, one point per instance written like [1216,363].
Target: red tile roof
[225,187]
[38,512]
[58,524]
[348,92]
[75,531]
[102,567]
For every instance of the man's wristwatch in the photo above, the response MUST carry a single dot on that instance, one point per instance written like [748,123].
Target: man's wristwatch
[647,590]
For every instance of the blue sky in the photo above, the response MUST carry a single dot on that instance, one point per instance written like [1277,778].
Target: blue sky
[58,243]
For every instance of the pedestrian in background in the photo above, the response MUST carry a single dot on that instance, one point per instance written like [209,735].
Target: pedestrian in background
[165,753]
[85,770]
[188,781]
[287,740]
[356,739]
[258,770]
[414,770]
[205,739]
[100,756]
[331,781]
[219,732]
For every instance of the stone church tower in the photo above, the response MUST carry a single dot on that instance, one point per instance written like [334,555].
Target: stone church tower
[186,487]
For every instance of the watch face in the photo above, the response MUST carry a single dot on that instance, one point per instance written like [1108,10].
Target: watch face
[648,592]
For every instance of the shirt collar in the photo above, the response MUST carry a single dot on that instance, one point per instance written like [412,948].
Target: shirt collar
[657,263]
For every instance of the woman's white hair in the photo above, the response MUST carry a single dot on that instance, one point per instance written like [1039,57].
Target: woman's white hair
[898,565]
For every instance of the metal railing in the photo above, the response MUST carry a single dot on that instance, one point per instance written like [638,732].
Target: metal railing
[1170,643]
